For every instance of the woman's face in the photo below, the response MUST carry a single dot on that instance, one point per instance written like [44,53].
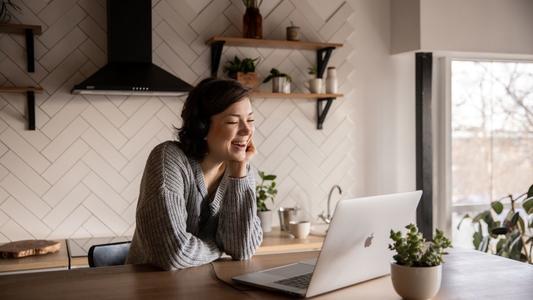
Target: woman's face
[230,132]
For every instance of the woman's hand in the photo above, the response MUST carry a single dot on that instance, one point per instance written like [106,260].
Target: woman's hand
[237,169]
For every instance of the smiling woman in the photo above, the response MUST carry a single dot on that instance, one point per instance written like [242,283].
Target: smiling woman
[197,197]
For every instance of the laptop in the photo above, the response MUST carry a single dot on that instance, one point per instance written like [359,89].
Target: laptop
[355,248]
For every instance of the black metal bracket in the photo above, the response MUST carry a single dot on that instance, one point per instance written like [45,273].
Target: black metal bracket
[322,58]
[30,95]
[30,52]
[322,112]
[216,53]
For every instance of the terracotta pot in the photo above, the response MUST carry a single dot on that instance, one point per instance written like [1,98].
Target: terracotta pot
[249,80]
[416,283]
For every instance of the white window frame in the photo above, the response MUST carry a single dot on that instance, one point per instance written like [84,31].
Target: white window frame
[442,139]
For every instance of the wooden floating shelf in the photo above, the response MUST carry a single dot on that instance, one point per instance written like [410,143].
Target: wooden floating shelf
[262,94]
[20,28]
[20,89]
[244,42]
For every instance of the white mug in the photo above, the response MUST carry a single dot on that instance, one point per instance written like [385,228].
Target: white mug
[315,85]
[300,229]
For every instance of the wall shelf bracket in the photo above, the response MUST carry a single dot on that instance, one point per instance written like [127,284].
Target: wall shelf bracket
[30,52]
[322,112]
[322,58]
[30,96]
[216,53]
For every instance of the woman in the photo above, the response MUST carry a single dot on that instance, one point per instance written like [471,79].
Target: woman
[197,197]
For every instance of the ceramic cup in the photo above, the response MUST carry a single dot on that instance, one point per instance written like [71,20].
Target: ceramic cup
[300,229]
[315,85]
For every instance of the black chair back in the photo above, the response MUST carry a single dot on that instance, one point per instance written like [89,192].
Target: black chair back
[112,254]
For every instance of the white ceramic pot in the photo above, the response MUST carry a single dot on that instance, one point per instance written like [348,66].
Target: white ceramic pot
[416,283]
[279,84]
[266,220]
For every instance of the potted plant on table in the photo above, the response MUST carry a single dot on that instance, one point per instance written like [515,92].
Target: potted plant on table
[265,191]
[281,82]
[243,71]
[417,270]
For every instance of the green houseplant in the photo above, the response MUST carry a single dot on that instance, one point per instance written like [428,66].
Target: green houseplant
[510,236]
[314,84]
[281,82]
[417,270]
[243,71]
[266,190]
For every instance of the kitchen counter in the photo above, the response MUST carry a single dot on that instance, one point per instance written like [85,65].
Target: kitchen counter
[48,262]
[73,253]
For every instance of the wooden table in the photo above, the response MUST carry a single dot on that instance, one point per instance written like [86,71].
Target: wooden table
[467,275]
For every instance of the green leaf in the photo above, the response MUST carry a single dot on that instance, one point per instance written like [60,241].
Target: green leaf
[481,216]
[514,219]
[521,225]
[477,238]
[467,216]
[530,191]
[497,206]
[499,246]
[270,177]
[499,230]
[528,205]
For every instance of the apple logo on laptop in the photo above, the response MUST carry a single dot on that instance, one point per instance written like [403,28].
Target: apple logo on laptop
[368,241]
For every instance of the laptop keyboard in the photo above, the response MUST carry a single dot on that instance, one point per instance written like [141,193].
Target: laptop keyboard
[300,281]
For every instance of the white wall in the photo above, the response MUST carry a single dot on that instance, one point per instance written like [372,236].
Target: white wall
[483,26]
[78,174]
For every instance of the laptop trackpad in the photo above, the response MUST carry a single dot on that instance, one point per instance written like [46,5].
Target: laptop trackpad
[291,270]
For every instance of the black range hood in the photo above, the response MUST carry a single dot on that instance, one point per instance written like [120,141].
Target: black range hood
[129,70]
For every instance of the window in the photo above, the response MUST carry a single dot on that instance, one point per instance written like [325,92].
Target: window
[491,136]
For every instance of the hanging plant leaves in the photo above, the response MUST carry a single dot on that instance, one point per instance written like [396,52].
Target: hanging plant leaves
[497,206]
[528,205]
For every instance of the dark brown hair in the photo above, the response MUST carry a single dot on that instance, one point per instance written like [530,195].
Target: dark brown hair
[210,97]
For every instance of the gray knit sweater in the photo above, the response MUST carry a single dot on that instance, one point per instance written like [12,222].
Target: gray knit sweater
[178,225]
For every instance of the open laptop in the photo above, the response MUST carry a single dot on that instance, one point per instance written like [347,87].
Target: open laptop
[355,248]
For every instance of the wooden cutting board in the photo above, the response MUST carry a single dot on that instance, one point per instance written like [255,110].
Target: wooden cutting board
[28,248]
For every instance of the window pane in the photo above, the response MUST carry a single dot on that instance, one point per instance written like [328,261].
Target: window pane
[492,134]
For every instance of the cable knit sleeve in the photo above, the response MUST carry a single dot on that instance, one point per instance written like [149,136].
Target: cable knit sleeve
[161,235]
[239,228]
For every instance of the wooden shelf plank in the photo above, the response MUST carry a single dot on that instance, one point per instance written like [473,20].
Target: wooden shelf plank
[262,94]
[20,89]
[20,28]
[261,43]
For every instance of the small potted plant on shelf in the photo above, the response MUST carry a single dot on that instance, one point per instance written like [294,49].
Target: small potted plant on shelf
[417,270]
[6,10]
[314,84]
[243,71]
[266,190]
[281,82]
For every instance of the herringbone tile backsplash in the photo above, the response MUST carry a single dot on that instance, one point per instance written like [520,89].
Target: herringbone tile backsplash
[78,174]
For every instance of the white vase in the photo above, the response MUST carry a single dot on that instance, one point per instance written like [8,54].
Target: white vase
[278,84]
[416,283]
[266,220]
[331,81]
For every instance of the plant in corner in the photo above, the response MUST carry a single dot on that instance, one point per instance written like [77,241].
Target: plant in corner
[281,82]
[511,236]
[265,191]
[6,10]
[417,270]
[243,71]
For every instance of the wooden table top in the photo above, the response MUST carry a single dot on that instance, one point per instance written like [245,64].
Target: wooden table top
[467,274]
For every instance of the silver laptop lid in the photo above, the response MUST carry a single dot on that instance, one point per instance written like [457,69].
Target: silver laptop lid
[356,246]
